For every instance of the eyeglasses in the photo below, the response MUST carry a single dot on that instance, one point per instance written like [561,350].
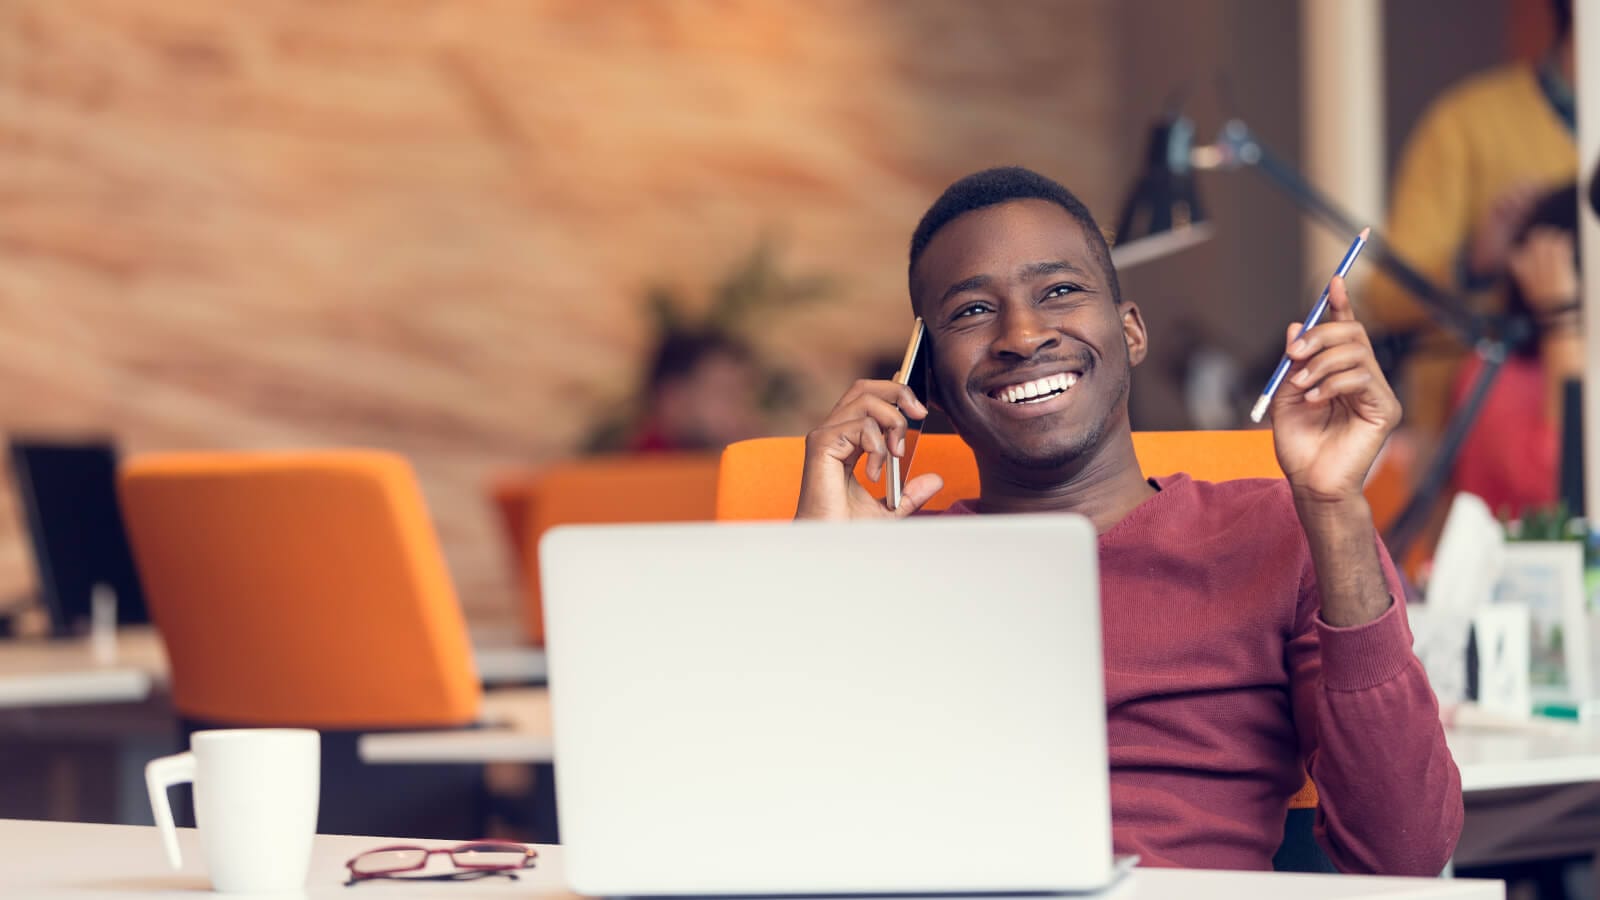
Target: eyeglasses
[478,859]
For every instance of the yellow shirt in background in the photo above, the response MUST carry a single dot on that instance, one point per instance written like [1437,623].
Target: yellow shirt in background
[1488,134]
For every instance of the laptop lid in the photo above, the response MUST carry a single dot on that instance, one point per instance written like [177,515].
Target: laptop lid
[829,708]
[69,495]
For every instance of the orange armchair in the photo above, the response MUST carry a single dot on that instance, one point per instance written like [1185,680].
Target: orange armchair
[299,588]
[667,487]
[760,478]
[307,589]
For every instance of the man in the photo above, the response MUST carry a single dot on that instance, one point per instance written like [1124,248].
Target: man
[1252,628]
[1479,158]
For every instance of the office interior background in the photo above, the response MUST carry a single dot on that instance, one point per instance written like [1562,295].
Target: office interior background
[435,227]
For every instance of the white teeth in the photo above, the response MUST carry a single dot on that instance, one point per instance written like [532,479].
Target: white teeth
[1039,387]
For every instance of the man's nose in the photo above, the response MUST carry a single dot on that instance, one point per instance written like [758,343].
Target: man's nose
[1023,333]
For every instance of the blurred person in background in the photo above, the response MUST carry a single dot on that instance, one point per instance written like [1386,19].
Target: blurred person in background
[702,392]
[1478,160]
[1512,456]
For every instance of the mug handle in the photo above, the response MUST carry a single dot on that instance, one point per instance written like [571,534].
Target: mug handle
[160,774]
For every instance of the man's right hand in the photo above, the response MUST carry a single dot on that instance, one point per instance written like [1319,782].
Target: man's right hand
[868,420]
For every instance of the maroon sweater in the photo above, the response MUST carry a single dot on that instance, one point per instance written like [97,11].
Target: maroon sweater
[1224,687]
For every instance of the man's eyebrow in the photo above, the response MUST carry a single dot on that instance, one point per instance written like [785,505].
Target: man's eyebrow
[1053,267]
[964,285]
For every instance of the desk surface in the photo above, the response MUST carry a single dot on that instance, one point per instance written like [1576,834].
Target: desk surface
[1502,760]
[1489,760]
[48,672]
[107,862]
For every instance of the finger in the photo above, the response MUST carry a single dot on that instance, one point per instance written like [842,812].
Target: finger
[844,443]
[1339,308]
[1294,331]
[1329,363]
[873,443]
[872,406]
[917,492]
[1355,383]
[897,395]
[1328,334]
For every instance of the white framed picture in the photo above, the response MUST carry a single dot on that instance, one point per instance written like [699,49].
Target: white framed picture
[1547,578]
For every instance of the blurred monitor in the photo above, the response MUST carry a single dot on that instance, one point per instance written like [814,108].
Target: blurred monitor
[1572,447]
[68,491]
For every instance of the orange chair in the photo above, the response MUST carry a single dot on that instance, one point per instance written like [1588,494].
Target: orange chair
[667,487]
[760,478]
[303,589]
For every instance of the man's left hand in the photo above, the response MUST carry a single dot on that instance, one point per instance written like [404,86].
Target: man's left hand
[1334,409]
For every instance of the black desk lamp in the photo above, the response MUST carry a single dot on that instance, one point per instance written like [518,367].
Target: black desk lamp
[1163,214]
[1235,148]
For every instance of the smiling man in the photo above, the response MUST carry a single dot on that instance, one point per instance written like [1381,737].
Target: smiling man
[1253,631]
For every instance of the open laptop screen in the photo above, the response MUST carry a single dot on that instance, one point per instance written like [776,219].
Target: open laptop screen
[69,496]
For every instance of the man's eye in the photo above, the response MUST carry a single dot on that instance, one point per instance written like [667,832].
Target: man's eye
[1062,290]
[971,309]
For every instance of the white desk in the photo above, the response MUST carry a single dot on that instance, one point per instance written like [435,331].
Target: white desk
[1489,760]
[1528,795]
[47,860]
[518,731]
[63,672]
[1503,760]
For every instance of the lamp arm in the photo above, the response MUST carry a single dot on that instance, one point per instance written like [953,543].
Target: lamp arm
[1236,147]
[1408,525]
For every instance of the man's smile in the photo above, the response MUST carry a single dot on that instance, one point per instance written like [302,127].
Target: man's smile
[1015,395]
[1038,389]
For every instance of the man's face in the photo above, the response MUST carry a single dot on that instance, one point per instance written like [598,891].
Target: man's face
[1031,353]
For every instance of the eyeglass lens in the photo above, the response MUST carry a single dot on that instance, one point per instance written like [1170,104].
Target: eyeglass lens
[477,856]
[489,856]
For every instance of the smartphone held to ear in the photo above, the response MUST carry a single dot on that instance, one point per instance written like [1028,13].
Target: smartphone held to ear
[914,374]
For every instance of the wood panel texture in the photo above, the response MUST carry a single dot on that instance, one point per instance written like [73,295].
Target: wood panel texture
[428,226]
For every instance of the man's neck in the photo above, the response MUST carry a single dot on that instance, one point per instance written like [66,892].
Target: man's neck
[1105,489]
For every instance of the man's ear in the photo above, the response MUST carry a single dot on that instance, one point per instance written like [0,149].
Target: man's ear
[1133,331]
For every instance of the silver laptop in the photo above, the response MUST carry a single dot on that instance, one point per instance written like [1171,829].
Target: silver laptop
[781,708]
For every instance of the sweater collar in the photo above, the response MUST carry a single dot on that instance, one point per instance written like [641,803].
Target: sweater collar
[1167,487]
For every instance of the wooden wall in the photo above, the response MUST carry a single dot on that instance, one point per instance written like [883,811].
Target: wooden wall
[427,226]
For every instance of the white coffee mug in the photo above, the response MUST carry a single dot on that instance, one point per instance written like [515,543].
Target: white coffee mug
[255,804]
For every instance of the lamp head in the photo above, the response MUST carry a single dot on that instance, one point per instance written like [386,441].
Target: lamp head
[1163,213]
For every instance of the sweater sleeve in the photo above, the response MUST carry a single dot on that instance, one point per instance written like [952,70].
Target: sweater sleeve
[1389,793]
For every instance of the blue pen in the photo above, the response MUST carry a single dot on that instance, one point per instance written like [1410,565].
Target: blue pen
[1315,316]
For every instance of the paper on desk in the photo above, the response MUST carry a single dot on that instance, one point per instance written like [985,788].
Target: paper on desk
[1469,559]
[1466,567]
[1503,647]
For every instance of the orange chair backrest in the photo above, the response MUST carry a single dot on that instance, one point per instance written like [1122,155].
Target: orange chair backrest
[302,588]
[657,487]
[760,478]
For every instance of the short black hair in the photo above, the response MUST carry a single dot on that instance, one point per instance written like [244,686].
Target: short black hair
[1561,18]
[680,352]
[1594,189]
[1004,184]
[1556,209]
